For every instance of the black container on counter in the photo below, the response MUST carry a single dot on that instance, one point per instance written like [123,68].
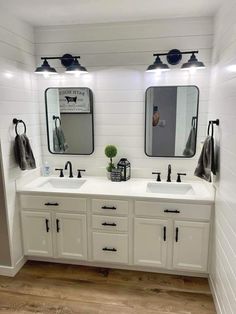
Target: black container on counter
[125,167]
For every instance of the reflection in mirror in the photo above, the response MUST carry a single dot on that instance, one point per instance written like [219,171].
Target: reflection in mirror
[171,114]
[69,113]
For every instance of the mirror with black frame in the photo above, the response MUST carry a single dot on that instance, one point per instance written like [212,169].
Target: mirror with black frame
[69,114]
[171,121]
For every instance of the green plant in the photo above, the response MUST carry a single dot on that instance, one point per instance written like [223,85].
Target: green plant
[110,152]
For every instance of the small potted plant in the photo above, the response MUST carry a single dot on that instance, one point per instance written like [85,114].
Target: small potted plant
[110,152]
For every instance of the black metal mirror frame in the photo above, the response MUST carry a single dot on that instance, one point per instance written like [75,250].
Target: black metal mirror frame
[145,132]
[91,112]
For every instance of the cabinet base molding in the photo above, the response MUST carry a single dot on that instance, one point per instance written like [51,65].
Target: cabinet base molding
[11,271]
[119,266]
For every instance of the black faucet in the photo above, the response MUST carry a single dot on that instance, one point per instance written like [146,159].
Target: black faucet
[68,163]
[169,174]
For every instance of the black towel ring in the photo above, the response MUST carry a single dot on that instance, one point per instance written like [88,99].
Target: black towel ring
[56,118]
[16,122]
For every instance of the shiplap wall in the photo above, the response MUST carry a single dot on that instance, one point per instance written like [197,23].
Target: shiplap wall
[18,98]
[116,56]
[223,106]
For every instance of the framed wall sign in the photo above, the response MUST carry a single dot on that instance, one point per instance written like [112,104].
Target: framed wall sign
[74,100]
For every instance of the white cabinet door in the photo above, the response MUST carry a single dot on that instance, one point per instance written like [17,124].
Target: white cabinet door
[150,242]
[37,233]
[71,236]
[190,245]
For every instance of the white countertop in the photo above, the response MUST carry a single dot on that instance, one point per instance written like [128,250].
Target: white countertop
[204,192]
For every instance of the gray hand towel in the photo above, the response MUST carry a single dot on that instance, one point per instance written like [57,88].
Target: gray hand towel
[56,147]
[191,143]
[59,142]
[206,163]
[23,152]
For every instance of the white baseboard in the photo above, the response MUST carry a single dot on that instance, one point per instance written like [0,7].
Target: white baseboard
[215,298]
[11,271]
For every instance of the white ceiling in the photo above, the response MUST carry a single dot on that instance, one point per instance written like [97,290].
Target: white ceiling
[57,12]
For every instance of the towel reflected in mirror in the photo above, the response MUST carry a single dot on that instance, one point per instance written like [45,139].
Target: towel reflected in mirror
[191,143]
[59,142]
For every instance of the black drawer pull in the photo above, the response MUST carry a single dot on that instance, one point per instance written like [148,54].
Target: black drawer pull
[109,207]
[58,225]
[47,225]
[175,211]
[177,234]
[51,204]
[164,235]
[109,250]
[109,224]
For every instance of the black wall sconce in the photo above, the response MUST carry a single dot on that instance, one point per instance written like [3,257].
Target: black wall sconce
[174,57]
[70,62]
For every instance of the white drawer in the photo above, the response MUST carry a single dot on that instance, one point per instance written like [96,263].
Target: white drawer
[53,202]
[110,223]
[110,247]
[110,207]
[173,210]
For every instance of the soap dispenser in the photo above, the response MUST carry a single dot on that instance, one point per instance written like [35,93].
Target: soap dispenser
[46,169]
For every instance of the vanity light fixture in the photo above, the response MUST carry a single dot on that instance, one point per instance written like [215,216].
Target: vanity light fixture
[45,68]
[76,67]
[174,57]
[158,65]
[70,62]
[193,63]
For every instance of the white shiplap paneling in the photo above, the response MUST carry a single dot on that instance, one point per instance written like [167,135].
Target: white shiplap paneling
[18,98]
[222,106]
[117,56]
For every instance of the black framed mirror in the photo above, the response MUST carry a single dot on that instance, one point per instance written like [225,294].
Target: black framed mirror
[171,121]
[70,121]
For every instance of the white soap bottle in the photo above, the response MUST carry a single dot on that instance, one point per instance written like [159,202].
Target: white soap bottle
[46,169]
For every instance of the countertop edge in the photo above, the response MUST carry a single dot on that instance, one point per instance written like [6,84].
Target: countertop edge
[115,196]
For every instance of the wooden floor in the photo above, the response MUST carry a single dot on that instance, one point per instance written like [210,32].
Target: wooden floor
[64,289]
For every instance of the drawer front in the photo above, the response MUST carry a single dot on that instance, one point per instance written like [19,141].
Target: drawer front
[110,207]
[53,202]
[173,210]
[110,247]
[110,223]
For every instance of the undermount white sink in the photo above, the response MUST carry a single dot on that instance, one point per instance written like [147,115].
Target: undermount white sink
[170,188]
[62,183]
